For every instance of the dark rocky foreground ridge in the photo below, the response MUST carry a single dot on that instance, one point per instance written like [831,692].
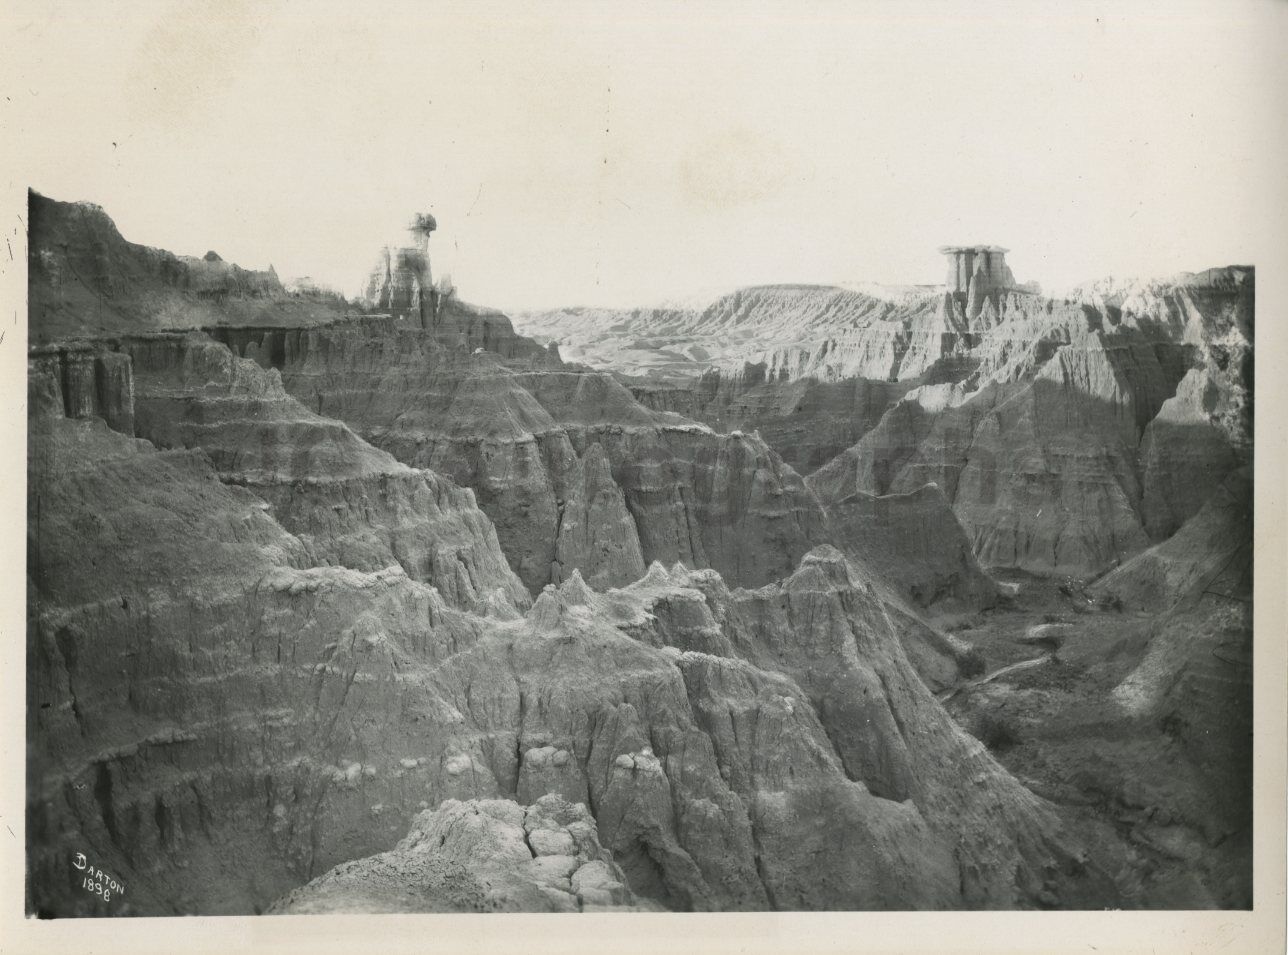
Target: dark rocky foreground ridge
[326,607]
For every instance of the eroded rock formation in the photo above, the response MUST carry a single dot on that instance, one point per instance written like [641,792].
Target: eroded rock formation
[402,282]
[806,421]
[485,855]
[402,612]
[1064,453]
[86,280]
[517,428]
[914,542]
[349,503]
[320,708]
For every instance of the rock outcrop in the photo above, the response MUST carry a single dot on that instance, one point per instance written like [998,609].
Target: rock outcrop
[913,541]
[203,698]
[1204,431]
[806,421]
[1056,428]
[81,380]
[402,282]
[517,428]
[187,681]
[1194,679]
[483,855]
[1033,475]
[349,503]
[794,331]
[1211,553]
[375,614]
[87,281]
[705,751]
[595,529]
[821,648]
[1066,457]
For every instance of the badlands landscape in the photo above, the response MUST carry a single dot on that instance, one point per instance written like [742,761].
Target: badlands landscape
[839,598]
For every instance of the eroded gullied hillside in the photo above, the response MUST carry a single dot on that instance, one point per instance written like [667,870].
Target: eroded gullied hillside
[1195,678]
[87,280]
[215,720]
[1083,435]
[194,687]
[349,503]
[546,449]
[375,584]
[1066,433]
[572,470]
[764,749]
[795,331]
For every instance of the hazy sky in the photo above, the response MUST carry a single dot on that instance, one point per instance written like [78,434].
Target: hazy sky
[629,153]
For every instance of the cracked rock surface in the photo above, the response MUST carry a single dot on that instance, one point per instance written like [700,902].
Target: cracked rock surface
[481,855]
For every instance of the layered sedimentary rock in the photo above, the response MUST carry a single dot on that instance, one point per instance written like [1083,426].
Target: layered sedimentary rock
[1079,389]
[575,472]
[1058,460]
[86,280]
[1185,455]
[794,331]
[1194,680]
[828,633]
[349,503]
[1210,553]
[980,268]
[402,282]
[915,542]
[295,627]
[807,421]
[1087,408]
[187,681]
[1195,686]
[202,698]
[82,380]
[1056,427]
[675,711]
[517,429]
[483,855]
[456,327]
[595,529]
[1204,431]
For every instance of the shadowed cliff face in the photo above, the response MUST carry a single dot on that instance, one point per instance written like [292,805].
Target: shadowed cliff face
[350,504]
[915,543]
[1195,680]
[1036,481]
[539,444]
[806,421]
[1085,445]
[1067,434]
